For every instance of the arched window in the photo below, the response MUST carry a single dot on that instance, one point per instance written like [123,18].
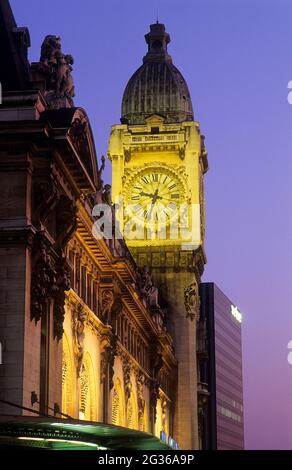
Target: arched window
[87,395]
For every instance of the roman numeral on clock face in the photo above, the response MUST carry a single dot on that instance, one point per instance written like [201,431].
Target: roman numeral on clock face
[135,198]
[155,177]
[172,186]
[144,179]
[175,196]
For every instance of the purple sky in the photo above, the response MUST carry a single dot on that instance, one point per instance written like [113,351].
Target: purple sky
[237,59]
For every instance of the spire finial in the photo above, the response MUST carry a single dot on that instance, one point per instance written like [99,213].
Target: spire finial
[157,40]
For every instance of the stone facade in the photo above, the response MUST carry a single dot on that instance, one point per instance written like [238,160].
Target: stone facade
[80,338]
[94,329]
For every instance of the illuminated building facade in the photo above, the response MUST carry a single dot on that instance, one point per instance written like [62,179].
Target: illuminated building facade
[97,329]
[158,164]
[220,360]
[80,335]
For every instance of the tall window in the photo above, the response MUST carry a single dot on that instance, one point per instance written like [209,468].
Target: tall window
[87,397]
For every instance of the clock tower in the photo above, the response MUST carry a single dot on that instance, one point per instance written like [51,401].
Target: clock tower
[158,164]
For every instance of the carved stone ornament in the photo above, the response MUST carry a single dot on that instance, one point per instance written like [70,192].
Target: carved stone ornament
[100,173]
[148,291]
[110,304]
[156,359]
[63,284]
[78,325]
[106,303]
[127,379]
[43,283]
[127,153]
[140,380]
[154,397]
[78,134]
[45,198]
[192,301]
[164,415]
[66,222]
[107,357]
[56,69]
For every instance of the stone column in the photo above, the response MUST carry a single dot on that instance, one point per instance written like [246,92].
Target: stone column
[182,326]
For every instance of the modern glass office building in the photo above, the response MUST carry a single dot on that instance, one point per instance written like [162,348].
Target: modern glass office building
[221,370]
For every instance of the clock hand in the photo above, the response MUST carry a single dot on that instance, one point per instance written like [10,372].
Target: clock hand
[156,196]
[146,194]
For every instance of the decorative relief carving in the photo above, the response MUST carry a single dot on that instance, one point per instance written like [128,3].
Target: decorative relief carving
[148,291]
[79,317]
[154,397]
[182,153]
[78,133]
[110,304]
[158,316]
[127,379]
[45,198]
[140,380]
[181,262]
[127,153]
[192,301]
[43,282]
[107,357]
[106,303]
[63,284]
[156,359]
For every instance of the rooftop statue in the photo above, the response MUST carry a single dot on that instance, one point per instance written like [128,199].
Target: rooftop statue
[55,68]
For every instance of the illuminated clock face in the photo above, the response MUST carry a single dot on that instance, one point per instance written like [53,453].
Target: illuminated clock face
[155,195]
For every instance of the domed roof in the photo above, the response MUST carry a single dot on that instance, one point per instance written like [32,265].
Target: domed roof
[157,87]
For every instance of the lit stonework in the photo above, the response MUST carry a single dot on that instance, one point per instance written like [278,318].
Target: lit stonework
[82,337]
[158,155]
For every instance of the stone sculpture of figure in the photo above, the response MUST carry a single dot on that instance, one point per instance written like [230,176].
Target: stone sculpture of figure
[192,301]
[146,287]
[78,326]
[68,78]
[64,83]
[77,132]
[56,67]
[107,302]
[102,167]
[107,194]
[49,50]
[100,180]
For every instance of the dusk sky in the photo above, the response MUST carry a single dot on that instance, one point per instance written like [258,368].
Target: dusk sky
[237,59]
